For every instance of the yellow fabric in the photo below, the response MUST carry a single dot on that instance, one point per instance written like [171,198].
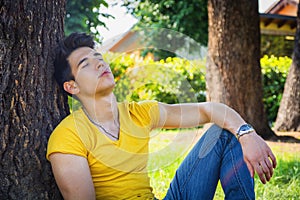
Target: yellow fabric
[118,168]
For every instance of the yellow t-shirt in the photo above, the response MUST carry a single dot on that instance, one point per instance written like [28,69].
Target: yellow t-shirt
[118,168]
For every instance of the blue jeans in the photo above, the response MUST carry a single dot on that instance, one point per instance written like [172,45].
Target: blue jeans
[217,155]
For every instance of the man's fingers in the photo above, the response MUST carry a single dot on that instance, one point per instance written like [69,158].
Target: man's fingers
[270,166]
[266,170]
[260,173]
[273,158]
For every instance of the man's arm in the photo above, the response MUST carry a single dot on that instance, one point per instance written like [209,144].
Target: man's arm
[195,114]
[72,175]
[257,154]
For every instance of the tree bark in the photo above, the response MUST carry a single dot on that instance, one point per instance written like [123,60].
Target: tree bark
[233,64]
[31,104]
[288,117]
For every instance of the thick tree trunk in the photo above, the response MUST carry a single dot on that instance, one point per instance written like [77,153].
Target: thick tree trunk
[30,102]
[233,67]
[288,117]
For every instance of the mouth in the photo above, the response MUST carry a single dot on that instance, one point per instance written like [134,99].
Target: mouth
[105,72]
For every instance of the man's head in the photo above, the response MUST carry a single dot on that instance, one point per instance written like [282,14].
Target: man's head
[63,71]
[80,70]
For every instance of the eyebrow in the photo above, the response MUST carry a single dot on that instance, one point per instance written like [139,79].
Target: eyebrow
[85,58]
[97,54]
[81,61]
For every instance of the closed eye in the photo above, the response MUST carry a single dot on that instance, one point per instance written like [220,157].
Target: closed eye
[85,65]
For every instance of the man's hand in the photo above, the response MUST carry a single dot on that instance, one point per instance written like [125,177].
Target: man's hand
[258,156]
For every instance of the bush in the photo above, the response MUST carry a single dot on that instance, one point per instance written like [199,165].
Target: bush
[274,71]
[172,80]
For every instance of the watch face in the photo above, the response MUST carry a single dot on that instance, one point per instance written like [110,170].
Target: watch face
[245,127]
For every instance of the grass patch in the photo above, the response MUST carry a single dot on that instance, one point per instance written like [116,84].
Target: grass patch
[284,184]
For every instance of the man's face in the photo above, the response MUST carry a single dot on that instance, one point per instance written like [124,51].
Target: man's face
[92,75]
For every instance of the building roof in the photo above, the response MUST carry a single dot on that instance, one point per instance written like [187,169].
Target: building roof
[280,18]
[274,24]
[284,7]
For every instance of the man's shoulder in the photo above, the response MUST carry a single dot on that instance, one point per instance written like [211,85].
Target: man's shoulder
[141,112]
[72,120]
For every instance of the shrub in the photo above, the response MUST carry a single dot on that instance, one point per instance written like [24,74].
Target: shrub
[274,72]
[172,80]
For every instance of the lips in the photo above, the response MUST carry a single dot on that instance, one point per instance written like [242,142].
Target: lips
[105,72]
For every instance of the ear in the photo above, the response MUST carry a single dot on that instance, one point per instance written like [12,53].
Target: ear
[71,87]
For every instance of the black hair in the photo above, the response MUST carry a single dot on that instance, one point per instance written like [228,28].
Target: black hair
[62,68]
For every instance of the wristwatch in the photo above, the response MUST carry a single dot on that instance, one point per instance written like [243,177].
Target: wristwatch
[244,129]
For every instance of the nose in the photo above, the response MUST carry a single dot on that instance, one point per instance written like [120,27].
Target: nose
[99,64]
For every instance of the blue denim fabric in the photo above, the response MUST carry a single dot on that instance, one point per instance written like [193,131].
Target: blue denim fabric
[217,155]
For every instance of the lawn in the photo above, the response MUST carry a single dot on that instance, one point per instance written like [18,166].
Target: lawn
[169,148]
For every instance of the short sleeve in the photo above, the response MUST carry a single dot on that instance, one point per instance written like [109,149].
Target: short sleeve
[147,112]
[65,140]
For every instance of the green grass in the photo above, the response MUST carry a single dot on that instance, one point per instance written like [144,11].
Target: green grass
[285,183]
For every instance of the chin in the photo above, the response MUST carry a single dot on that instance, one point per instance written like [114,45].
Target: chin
[107,88]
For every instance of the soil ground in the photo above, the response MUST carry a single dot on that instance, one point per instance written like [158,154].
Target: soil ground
[285,146]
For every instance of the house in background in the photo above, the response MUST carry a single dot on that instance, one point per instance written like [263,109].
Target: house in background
[130,42]
[278,20]
[134,42]
[125,43]
[284,7]
[278,26]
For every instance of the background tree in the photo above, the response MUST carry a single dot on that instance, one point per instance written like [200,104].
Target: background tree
[186,17]
[233,67]
[85,16]
[233,73]
[30,102]
[288,117]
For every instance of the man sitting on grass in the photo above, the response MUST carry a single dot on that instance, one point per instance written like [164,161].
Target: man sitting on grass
[101,150]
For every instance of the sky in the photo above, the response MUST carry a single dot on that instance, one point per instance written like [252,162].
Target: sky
[264,4]
[124,21]
[120,24]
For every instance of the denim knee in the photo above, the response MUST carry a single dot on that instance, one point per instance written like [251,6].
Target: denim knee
[211,137]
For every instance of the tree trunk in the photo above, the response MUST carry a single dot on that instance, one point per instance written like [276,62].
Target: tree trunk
[31,104]
[233,63]
[288,117]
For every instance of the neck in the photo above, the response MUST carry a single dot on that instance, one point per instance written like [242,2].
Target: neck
[102,109]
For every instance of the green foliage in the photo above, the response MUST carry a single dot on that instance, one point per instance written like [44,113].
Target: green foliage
[73,104]
[285,181]
[182,16]
[85,16]
[274,70]
[172,80]
[186,17]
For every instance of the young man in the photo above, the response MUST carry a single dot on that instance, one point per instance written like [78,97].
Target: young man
[101,150]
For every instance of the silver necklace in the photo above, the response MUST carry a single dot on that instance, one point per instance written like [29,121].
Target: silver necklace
[100,126]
